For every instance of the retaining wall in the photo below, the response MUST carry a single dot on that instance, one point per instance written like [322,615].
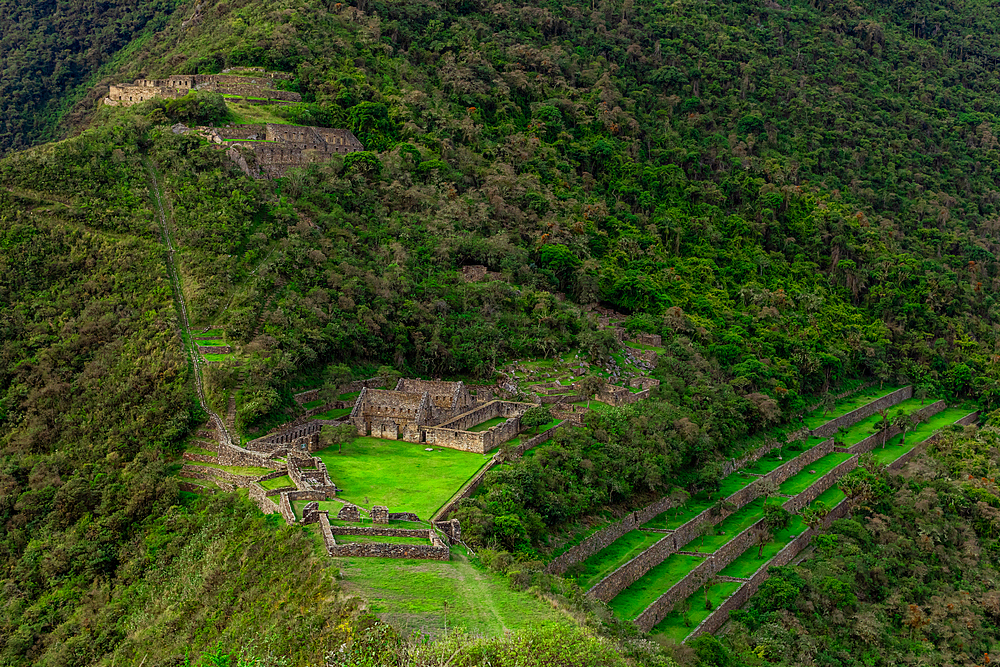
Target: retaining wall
[216,475]
[538,439]
[604,537]
[231,455]
[258,494]
[285,508]
[830,428]
[876,440]
[201,458]
[821,485]
[466,491]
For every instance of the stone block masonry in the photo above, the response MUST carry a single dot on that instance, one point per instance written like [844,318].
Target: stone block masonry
[435,550]
[604,537]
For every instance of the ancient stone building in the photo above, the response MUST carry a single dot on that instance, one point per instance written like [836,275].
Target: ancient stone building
[447,398]
[257,87]
[394,415]
[276,148]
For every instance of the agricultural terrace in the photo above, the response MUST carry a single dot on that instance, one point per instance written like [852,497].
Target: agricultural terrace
[820,416]
[896,447]
[619,552]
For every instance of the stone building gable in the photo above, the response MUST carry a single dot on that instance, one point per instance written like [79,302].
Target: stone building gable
[450,397]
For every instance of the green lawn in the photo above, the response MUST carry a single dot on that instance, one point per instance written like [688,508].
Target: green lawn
[748,562]
[425,597]
[336,413]
[798,483]
[248,114]
[676,627]
[217,333]
[350,396]
[616,554]
[817,418]
[866,427]
[398,474]
[633,600]
[191,449]
[488,424]
[595,405]
[246,471]
[279,483]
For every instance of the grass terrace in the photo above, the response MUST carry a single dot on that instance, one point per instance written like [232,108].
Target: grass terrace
[312,404]
[192,449]
[831,498]
[335,413]
[616,554]
[215,333]
[218,357]
[818,417]
[366,539]
[207,483]
[866,427]
[279,483]
[748,562]
[679,624]
[245,471]
[488,424]
[798,483]
[729,528]
[400,475]
[633,600]
[895,447]
[250,114]
[211,343]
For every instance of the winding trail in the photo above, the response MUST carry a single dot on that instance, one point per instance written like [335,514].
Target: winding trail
[186,336]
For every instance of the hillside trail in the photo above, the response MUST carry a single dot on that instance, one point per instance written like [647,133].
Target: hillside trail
[480,597]
[187,339]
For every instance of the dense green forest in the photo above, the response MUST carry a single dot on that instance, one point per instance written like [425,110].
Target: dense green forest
[794,196]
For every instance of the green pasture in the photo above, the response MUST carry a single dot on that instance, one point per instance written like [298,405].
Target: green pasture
[400,475]
[633,600]
[679,624]
[616,554]
[729,528]
[798,483]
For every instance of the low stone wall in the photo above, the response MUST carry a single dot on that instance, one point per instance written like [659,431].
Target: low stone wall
[304,430]
[451,528]
[485,412]
[231,455]
[194,488]
[372,531]
[604,537]
[279,491]
[214,349]
[436,550]
[648,356]
[466,491]
[821,485]
[403,516]
[642,338]
[216,475]
[626,575]
[325,530]
[555,400]
[830,428]
[538,439]
[285,509]
[798,464]
[258,494]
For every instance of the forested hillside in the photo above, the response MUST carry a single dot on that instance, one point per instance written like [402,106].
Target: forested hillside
[794,196]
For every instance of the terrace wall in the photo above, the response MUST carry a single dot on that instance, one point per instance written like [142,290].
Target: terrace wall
[876,440]
[285,509]
[604,537]
[831,427]
[821,485]
[216,475]
[258,494]
[436,550]
[466,491]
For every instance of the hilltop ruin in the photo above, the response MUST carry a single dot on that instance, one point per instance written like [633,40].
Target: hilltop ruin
[252,85]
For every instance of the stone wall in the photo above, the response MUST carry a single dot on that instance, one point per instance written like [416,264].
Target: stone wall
[285,509]
[798,464]
[224,478]
[843,394]
[214,349]
[302,431]
[466,491]
[482,413]
[201,458]
[258,494]
[454,434]
[821,485]
[436,550]
[231,455]
[647,356]
[403,516]
[538,439]
[653,340]
[451,528]
[830,428]
[876,440]
[604,537]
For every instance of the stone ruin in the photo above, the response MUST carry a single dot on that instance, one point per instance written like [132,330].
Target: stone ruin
[436,413]
[273,149]
[258,88]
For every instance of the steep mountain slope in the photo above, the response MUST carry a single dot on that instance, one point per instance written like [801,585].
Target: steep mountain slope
[792,196]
